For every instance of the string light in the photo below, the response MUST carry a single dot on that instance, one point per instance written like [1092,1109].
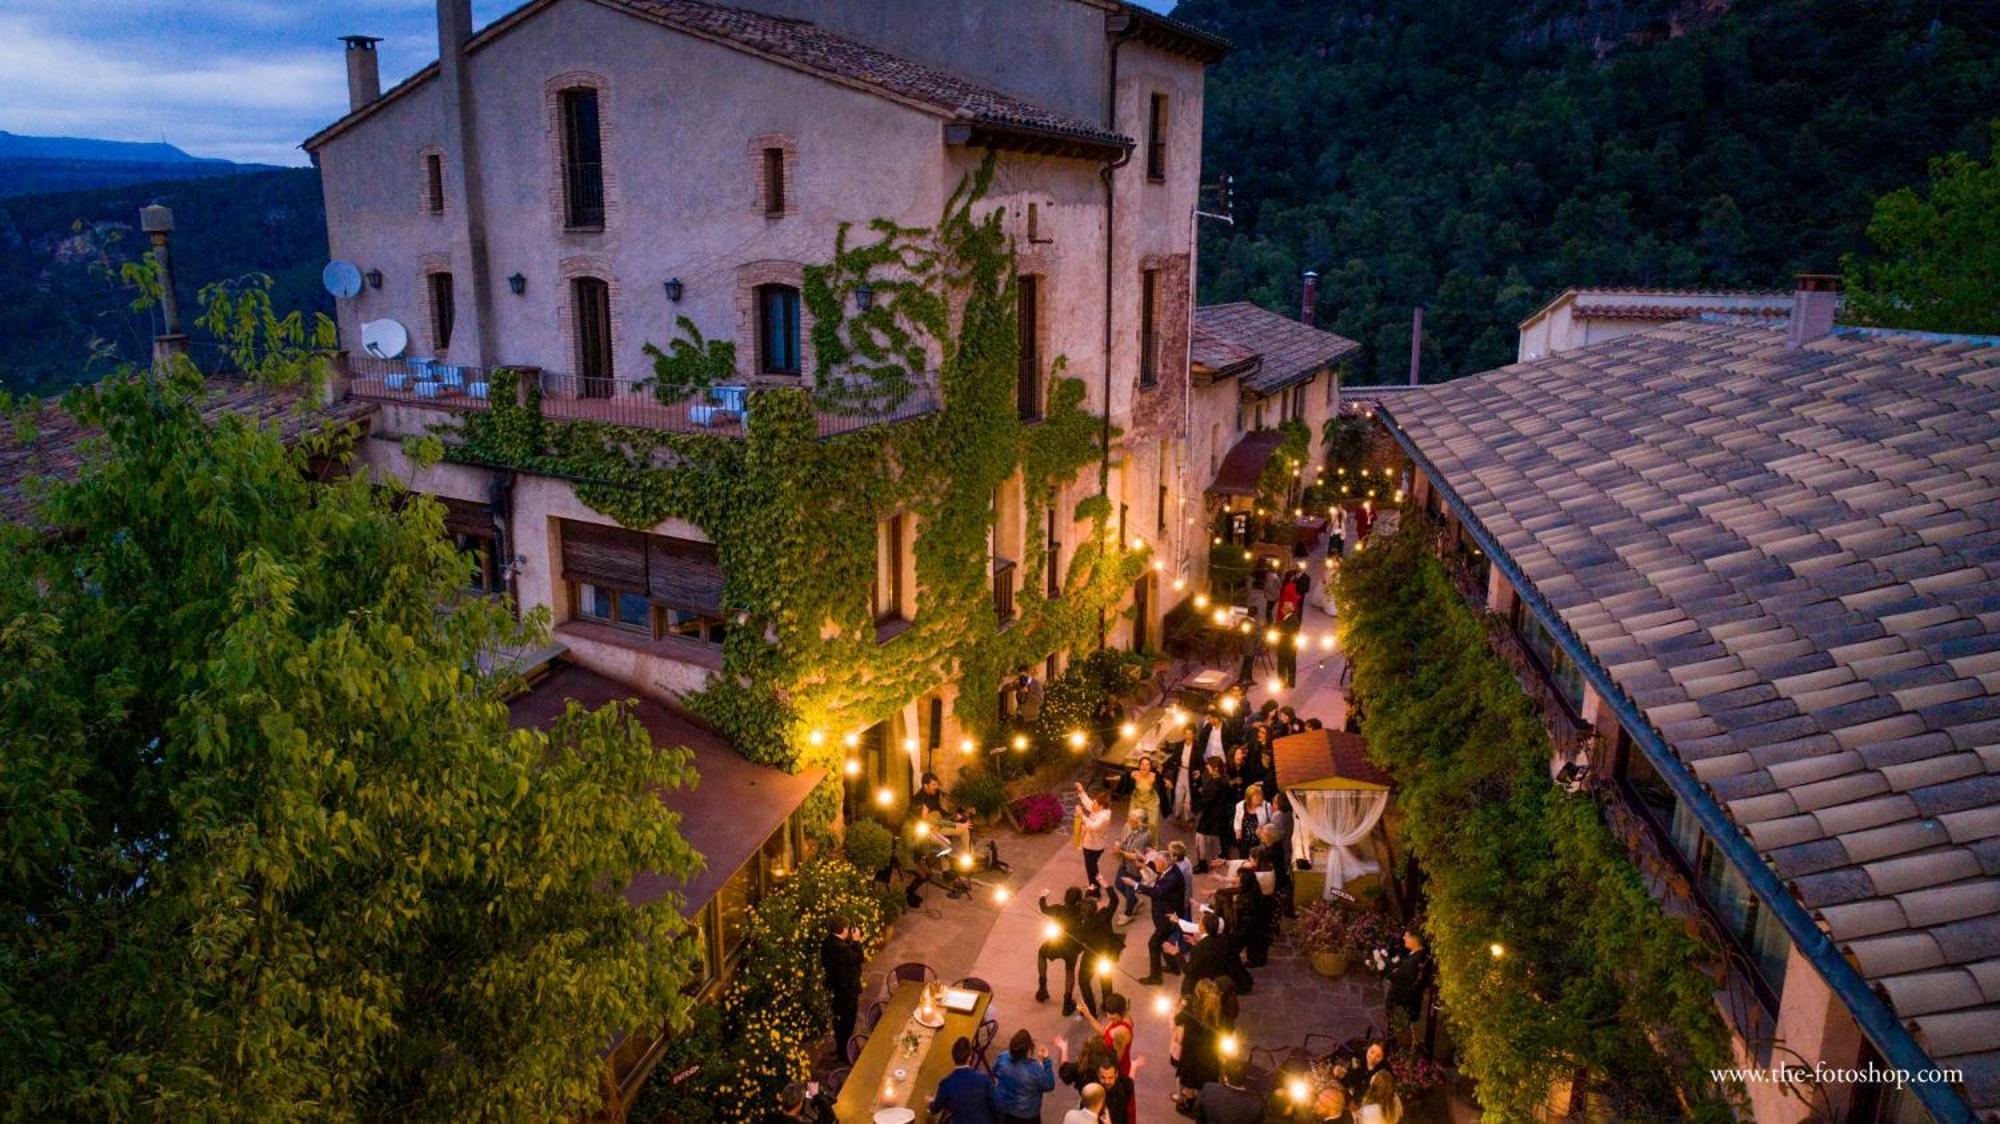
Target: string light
[1497,949]
[1076,739]
[1163,1005]
[1159,567]
[1270,636]
[852,768]
[965,860]
[923,828]
[884,797]
[1228,1045]
[1180,718]
[1222,616]
[1326,642]
[850,740]
[1020,741]
[909,745]
[1051,930]
[1299,640]
[967,746]
[1244,628]
[1276,684]
[1104,965]
[1138,543]
[817,737]
[1128,729]
[1229,704]
[1181,584]
[1201,600]
[1298,1089]
[1000,895]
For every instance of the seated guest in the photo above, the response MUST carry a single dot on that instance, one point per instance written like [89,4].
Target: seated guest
[946,823]
[1215,956]
[1226,1100]
[965,1092]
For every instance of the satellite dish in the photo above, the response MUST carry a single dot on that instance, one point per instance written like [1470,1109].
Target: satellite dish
[341,278]
[384,339]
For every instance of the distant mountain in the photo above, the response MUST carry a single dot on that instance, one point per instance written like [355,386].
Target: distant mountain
[68,319]
[37,164]
[16,146]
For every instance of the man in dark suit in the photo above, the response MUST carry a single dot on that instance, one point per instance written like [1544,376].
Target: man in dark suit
[841,956]
[965,1092]
[1169,893]
[1214,957]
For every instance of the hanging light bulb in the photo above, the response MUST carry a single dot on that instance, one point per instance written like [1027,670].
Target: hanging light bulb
[1299,1090]
[1051,931]
[965,860]
[967,746]
[1270,636]
[1221,616]
[1020,741]
[1001,894]
[850,740]
[1104,965]
[1227,1045]
[909,745]
[1200,599]
[1181,584]
[1128,729]
[1326,642]
[1076,739]
[1229,704]
[923,828]
[817,737]
[852,768]
[884,797]
[1163,1005]
[1276,685]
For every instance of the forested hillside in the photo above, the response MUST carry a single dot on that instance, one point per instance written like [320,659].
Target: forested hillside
[70,320]
[1478,158]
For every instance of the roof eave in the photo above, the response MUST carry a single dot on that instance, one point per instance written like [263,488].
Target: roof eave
[1014,137]
[1137,25]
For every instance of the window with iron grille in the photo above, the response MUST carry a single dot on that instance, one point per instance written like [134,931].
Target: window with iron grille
[583,159]
[1028,377]
[1156,138]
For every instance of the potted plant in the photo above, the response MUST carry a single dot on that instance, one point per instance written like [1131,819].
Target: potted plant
[1334,934]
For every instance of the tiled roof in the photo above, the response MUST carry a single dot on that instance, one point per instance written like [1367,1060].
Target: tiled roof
[1290,351]
[733,807]
[1375,395]
[1217,352]
[1667,304]
[1789,560]
[808,47]
[1630,311]
[52,449]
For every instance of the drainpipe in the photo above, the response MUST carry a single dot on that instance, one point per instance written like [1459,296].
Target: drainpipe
[454,23]
[1122,31]
[500,502]
[1871,1013]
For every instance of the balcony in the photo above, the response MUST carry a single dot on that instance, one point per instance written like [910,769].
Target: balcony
[723,411]
[1003,590]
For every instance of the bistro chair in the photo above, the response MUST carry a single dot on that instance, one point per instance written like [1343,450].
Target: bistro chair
[854,1044]
[1260,1073]
[907,972]
[982,1041]
[873,1014]
[836,1081]
[973,983]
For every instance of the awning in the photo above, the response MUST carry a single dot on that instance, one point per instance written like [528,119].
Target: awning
[727,815]
[1327,759]
[1244,465]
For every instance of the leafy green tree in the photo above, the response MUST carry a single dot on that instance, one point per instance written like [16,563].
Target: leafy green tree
[271,851]
[1939,263]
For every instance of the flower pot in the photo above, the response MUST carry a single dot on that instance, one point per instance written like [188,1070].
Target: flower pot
[1328,963]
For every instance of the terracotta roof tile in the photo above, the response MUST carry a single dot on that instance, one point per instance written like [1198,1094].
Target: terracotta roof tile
[1288,351]
[1791,558]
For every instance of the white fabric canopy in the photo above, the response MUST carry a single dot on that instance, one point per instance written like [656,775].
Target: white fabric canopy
[1339,818]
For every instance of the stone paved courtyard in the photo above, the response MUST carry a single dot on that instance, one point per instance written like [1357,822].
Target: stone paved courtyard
[997,942]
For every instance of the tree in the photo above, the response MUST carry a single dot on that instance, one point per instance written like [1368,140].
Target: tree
[1939,269]
[271,850]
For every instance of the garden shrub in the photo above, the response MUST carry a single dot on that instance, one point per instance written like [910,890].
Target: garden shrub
[980,790]
[869,845]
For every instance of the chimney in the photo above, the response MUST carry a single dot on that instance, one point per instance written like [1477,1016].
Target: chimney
[1814,302]
[364,74]
[1309,298]
[158,224]
[1417,346]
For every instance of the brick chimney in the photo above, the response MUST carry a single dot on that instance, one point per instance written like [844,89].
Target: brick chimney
[1814,302]
[364,72]
[1309,298]
[1417,346]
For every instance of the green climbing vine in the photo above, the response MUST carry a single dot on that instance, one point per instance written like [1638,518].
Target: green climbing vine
[794,515]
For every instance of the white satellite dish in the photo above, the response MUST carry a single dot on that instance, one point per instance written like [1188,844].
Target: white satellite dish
[384,339]
[341,278]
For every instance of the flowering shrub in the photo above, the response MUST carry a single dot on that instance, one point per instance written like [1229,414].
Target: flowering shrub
[1334,927]
[1415,1075]
[869,845]
[979,790]
[1039,813]
[760,1035]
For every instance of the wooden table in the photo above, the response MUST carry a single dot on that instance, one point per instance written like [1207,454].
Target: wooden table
[857,1103]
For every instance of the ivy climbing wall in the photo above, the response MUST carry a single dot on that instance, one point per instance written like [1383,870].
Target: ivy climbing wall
[794,515]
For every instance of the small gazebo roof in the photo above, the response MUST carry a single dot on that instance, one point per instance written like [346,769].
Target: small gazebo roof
[1327,759]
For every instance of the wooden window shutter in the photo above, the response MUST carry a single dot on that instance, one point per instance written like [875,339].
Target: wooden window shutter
[684,574]
[468,517]
[608,556]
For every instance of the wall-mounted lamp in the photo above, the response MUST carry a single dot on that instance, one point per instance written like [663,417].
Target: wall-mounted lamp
[517,284]
[673,287]
[864,296]
[374,277]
